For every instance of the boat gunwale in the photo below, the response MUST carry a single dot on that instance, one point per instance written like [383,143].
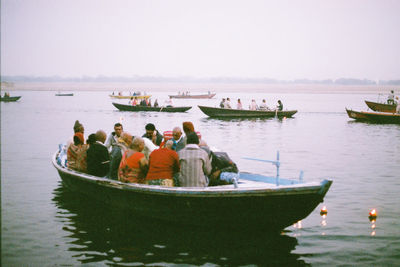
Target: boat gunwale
[137,109]
[214,191]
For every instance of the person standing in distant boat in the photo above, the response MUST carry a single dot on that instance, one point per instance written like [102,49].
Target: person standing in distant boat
[239,104]
[156,103]
[390,100]
[227,103]
[280,105]
[222,104]
[263,105]
[253,105]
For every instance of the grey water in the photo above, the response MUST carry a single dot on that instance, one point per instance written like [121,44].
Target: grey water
[42,223]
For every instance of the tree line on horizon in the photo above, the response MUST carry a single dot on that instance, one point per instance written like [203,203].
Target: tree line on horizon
[101,78]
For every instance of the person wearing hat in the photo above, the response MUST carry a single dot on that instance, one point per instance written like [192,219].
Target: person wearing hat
[194,163]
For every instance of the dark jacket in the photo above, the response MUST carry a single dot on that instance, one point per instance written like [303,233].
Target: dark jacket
[98,160]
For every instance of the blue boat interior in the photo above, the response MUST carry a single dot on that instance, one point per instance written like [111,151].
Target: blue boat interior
[266,179]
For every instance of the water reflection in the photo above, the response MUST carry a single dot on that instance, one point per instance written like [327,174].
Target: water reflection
[252,119]
[99,233]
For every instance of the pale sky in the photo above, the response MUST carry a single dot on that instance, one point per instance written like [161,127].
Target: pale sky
[314,39]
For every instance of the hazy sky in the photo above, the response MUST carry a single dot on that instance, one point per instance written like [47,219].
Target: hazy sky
[315,39]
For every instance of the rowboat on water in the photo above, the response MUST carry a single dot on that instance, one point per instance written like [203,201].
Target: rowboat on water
[9,98]
[204,96]
[130,96]
[64,94]
[376,117]
[123,107]
[255,202]
[245,113]
[382,107]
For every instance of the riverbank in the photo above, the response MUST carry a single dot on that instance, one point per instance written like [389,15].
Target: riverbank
[200,87]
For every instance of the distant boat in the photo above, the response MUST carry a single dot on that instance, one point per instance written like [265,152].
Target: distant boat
[146,108]
[255,202]
[376,117]
[245,113]
[381,106]
[205,96]
[130,96]
[64,94]
[9,98]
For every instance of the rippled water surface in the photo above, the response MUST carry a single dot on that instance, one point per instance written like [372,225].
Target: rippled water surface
[45,224]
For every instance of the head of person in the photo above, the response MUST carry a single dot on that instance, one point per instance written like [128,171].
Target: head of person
[79,139]
[263,101]
[118,129]
[91,139]
[392,91]
[127,138]
[101,136]
[239,100]
[187,127]
[192,138]
[150,128]
[137,144]
[176,133]
[228,99]
[78,127]
[279,102]
[169,144]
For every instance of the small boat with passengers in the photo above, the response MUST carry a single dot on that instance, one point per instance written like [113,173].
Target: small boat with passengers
[137,108]
[64,94]
[245,113]
[189,96]
[382,107]
[9,98]
[254,202]
[375,117]
[130,96]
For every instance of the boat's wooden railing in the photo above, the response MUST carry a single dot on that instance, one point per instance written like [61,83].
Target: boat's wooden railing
[277,164]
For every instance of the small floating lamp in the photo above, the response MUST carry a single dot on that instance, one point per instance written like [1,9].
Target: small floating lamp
[324,211]
[372,215]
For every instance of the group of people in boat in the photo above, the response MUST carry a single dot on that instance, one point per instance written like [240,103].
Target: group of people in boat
[169,159]
[6,94]
[226,103]
[144,102]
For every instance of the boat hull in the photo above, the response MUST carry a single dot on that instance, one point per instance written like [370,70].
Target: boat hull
[10,98]
[66,94]
[153,109]
[242,113]
[207,96]
[375,117]
[381,107]
[130,96]
[227,207]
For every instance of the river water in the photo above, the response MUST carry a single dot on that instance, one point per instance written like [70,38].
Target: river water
[45,224]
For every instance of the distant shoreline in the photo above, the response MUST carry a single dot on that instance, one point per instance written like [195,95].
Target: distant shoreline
[200,87]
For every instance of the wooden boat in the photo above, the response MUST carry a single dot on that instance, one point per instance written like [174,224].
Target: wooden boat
[64,94]
[205,96]
[376,117]
[130,96]
[123,107]
[9,98]
[255,202]
[382,107]
[245,113]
